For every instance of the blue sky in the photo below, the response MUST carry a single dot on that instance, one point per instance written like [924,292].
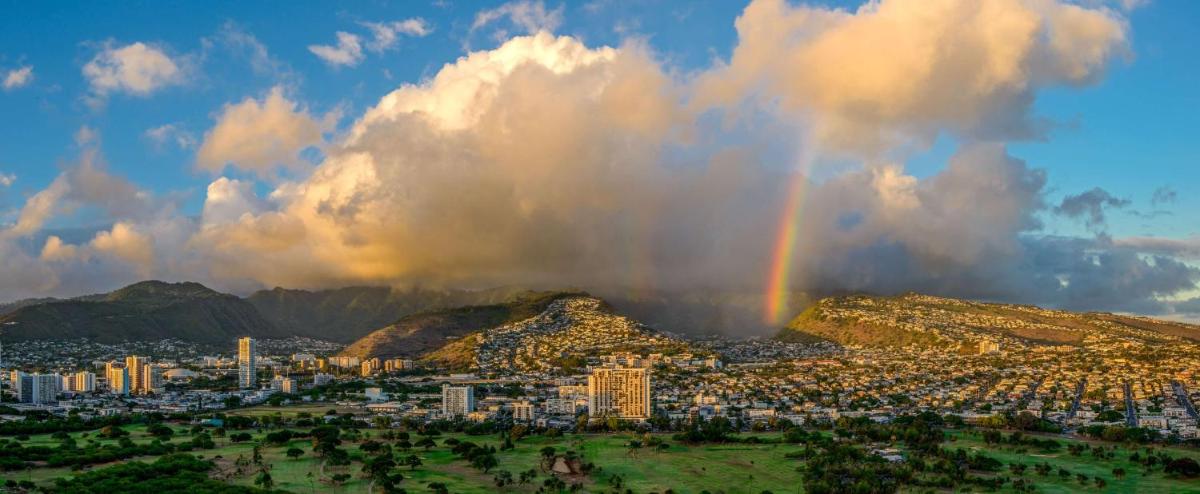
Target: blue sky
[1129,129]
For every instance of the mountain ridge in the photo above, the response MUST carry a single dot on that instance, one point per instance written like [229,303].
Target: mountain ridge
[940,322]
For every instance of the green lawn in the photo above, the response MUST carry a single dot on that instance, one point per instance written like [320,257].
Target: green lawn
[1134,481]
[732,468]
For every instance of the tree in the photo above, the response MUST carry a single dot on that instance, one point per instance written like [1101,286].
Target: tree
[413,462]
[503,478]
[294,453]
[426,442]
[264,480]
[1119,473]
[485,462]
[1182,467]
[547,457]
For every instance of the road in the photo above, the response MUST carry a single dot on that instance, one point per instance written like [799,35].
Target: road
[1078,397]
[1182,396]
[1130,409]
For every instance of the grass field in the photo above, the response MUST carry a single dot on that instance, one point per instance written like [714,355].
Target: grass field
[729,468]
[1134,481]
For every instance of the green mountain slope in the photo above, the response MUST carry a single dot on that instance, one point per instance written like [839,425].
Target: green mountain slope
[937,322]
[150,310]
[346,314]
[416,334]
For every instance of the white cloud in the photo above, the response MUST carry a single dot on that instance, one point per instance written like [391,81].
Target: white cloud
[137,68]
[898,72]
[261,135]
[18,77]
[228,199]
[348,51]
[7,179]
[526,15]
[387,34]
[171,133]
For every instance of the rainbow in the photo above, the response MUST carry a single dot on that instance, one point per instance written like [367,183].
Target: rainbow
[775,310]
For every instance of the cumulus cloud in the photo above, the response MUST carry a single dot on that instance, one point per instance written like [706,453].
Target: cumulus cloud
[547,163]
[898,71]
[261,135]
[1090,206]
[18,77]
[7,179]
[387,34]
[347,52]
[137,68]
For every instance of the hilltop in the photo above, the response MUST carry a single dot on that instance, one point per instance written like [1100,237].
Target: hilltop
[937,322]
[416,334]
[149,310]
[541,331]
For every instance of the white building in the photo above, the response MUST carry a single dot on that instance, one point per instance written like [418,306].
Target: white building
[37,388]
[322,379]
[523,411]
[247,370]
[560,406]
[620,392]
[457,401]
[290,386]
[83,382]
[375,394]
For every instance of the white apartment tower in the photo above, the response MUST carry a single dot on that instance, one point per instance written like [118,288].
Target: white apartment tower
[457,401]
[36,388]
[247,377]
[619,392]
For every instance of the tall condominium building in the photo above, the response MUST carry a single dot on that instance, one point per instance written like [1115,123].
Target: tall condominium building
[137,373]
[78,382]
[247,373]
[457,401]
[152,379]
[118,377]
[37,388]
[619,392]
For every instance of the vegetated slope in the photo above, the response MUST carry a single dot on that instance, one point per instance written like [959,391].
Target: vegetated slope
[416,334]
[937,322]
[562,336]
[149,310]
[347,314]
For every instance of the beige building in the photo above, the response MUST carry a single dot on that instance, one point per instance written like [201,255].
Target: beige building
[619,392]
[523,411]
[137,373]
[247,364]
